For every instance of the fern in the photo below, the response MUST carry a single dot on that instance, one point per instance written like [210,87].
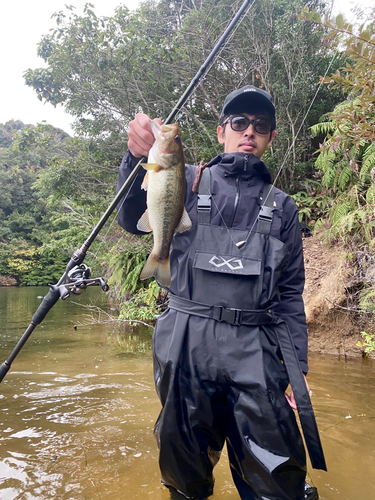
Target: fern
[368,164]
[370,196]
[125,261]
[344,176]
[322,128]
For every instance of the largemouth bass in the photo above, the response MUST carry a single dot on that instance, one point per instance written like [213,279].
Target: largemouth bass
[165,185]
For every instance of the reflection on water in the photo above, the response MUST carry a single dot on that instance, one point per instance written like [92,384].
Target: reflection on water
[78,406]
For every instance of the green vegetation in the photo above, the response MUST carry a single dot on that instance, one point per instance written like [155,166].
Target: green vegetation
[103,70]
[368,344]
[346,160]
[25,221]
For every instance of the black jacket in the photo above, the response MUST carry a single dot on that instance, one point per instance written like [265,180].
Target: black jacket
[237,182]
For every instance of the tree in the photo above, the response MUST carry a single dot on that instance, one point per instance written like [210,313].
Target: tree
[104,70]
[26,224]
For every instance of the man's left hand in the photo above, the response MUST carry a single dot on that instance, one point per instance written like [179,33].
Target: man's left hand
[291,399]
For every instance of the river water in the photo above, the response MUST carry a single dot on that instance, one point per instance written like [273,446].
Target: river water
[77,410]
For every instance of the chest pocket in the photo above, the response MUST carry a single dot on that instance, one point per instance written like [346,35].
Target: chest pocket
[222,273]
[227,264]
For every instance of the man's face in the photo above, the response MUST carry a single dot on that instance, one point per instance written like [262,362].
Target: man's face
[248,141]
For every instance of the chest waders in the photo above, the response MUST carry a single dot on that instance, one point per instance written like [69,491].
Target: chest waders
[222,363]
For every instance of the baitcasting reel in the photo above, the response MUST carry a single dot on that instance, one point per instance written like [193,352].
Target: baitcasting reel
[78,279]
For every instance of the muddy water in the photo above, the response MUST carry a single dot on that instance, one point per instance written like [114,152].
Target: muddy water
[78,406]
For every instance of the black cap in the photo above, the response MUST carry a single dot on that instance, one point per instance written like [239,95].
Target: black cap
[248,99]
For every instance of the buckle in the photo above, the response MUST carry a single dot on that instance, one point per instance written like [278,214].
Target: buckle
[265,213]
[231,316]
[204,202]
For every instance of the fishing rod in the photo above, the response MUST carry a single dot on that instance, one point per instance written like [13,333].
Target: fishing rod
[77,276]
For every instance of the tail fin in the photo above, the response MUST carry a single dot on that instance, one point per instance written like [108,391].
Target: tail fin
[159,269]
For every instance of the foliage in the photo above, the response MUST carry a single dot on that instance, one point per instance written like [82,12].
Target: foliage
[313,203]
[143,305]
[125,262]
[368,345]
[53,190]
[25,222]
[347,154]
[106,69]
[103,70]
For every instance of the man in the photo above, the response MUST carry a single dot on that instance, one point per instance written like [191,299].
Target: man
[223,354]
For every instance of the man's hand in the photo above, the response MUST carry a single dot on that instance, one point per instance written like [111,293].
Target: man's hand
[140,135]
[291,399]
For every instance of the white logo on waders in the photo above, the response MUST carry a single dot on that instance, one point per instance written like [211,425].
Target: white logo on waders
[232,263]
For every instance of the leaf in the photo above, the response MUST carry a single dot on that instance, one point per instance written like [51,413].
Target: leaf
[340,21]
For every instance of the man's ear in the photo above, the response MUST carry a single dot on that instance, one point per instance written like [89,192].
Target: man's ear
[272,137]
[220,134]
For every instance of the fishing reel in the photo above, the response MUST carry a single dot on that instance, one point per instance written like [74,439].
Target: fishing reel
[78,279]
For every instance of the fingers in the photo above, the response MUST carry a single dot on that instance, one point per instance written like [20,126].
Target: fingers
[292,400]
[140,135]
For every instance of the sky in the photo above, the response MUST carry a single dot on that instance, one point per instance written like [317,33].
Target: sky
[22,25]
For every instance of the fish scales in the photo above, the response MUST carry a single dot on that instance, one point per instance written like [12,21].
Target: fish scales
[165,185]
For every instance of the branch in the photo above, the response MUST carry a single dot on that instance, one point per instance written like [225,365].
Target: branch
[109,318]
[350,309]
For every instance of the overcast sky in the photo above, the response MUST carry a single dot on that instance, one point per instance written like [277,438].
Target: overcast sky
[23,23]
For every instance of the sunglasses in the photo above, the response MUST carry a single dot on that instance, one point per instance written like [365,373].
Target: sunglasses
[240,124]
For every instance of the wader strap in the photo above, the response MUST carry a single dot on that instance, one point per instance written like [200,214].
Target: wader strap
[266,210]
[229,315]
[304,407]
[204,198]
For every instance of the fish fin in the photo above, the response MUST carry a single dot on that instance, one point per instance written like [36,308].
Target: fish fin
[144,224]
[159,269]
[145,182]
[185,222]
[152,166]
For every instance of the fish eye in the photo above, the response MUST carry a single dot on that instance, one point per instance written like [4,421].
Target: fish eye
[177,138]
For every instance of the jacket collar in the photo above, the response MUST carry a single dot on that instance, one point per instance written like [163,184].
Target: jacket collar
[241,164]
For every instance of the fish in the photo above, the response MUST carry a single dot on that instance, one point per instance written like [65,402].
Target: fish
[165,185]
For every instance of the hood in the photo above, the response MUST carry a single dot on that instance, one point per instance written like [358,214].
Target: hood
[241,164]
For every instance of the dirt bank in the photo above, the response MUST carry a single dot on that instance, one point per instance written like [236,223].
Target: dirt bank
[7,281]
[332,328]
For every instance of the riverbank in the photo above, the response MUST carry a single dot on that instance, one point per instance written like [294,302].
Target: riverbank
[334,328]
[7,281]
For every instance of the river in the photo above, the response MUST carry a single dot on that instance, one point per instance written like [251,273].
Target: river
[78,406]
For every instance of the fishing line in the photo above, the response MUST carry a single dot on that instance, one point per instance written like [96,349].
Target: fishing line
[303,120]
[307,113]
[81,278]
[242,243]
[228,40]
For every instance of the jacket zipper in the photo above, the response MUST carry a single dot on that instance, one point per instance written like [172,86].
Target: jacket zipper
[237,198]
[236,201]
[246,160]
